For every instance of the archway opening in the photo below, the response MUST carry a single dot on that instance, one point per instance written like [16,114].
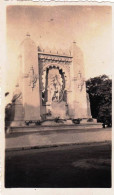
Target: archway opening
[54,86]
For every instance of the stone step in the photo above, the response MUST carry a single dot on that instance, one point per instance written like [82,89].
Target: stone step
[41,128]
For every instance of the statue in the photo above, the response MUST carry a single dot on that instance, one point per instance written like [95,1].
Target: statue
[55,86]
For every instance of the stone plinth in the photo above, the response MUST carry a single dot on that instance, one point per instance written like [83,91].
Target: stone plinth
[58,109]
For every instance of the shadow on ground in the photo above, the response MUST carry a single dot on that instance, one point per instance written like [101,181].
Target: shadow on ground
[62,167]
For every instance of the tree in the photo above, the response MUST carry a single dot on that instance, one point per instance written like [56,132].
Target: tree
[100,94]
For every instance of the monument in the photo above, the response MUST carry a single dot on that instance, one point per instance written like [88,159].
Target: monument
[51,85]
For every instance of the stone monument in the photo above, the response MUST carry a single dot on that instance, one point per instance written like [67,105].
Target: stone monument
[51,84]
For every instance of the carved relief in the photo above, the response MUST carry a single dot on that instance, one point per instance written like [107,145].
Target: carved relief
[33,78]
[54,58]
[17,95]
[62,64]
[80,81]
[65,70]
[55,86]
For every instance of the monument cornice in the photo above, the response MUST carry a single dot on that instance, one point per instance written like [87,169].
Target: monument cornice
[54,57]
[53,54]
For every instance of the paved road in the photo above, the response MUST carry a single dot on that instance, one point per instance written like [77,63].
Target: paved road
[83,165]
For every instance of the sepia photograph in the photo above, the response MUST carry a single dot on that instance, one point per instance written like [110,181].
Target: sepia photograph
[58,96]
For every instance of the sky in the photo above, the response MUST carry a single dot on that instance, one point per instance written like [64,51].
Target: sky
[57,27]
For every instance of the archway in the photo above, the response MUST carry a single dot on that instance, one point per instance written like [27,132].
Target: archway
[54,94]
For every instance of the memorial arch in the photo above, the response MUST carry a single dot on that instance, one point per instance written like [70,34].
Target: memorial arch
[52,83]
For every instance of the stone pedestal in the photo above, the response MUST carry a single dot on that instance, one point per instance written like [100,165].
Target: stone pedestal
[59,109]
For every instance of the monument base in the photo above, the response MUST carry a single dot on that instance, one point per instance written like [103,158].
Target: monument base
[57,122]
[17,123]
[88,120]
[51,127]
[57,110]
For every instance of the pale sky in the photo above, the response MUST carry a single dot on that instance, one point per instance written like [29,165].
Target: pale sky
[59,26]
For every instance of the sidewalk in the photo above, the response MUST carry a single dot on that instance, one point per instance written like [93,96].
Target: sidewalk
[20,141]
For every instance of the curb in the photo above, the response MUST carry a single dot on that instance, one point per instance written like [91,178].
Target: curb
[54,146]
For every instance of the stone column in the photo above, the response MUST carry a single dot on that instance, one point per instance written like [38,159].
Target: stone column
[71,111]
[29,79]
[88,106]
[79,100]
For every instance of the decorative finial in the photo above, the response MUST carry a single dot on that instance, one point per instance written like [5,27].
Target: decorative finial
[28,34]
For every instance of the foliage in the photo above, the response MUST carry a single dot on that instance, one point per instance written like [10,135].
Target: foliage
[57,119]
[33,122]
[76,121]
[38,122]
[100,94]
[90,120]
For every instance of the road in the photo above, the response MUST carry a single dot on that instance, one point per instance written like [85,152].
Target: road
[82,165]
